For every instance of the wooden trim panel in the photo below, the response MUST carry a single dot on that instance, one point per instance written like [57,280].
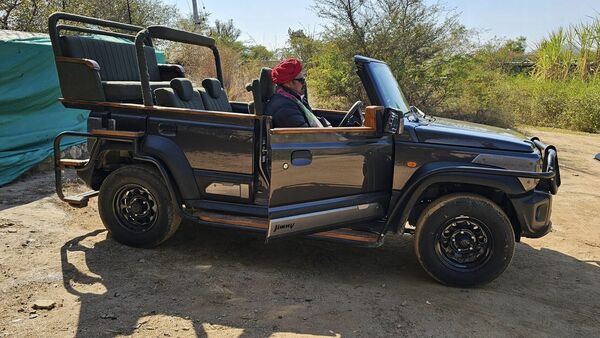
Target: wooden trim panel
[371,116]
[88,62]
[341,112]
[245,221]
[348,235]
[159,109]
[117,133]
[67,162]
[280,131]
[369,127]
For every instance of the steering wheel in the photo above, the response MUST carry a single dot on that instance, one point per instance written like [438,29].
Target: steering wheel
[354,116]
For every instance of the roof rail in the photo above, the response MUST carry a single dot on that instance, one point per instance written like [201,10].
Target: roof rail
[53,28]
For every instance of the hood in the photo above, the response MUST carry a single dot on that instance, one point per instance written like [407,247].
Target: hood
[468,134]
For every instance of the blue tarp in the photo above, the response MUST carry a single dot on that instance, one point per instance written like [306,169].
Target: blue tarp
[30,113]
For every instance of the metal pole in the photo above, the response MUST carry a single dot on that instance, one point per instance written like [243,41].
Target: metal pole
[195,12]
[129,11]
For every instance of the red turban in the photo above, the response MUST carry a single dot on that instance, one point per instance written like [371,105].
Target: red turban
[286,71]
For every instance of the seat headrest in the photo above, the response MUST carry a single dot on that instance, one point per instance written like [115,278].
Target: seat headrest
[267,87]
[183,88]
[213,87]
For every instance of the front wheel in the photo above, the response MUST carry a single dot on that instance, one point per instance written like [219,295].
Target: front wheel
[464,240]
[136,208]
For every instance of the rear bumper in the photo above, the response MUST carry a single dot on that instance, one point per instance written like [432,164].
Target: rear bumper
[533,212]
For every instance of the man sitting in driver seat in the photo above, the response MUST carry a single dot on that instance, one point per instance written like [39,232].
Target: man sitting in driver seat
[287,106]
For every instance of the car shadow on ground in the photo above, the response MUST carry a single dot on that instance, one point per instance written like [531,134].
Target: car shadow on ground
[205,277]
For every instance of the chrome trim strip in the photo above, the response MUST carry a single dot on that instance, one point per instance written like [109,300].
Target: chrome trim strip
[228,189]
[298,223]
[513,163]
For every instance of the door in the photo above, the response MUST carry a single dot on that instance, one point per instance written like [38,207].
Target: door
[219,148]
[325,178]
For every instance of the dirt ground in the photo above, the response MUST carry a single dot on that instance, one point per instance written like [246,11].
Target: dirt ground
[213,283]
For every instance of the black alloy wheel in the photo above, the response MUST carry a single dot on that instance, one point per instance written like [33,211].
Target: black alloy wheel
[464,239]
[136,208]
[463,243]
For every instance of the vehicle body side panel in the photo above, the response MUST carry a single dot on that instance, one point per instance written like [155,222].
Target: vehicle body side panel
[422,153]
[342,165]
[463,137]
[220,152]
[171,155]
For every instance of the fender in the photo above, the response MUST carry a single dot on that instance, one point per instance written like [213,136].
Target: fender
[449,172]
[175,162]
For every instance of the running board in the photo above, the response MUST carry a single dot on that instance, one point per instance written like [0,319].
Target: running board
[363,238]
[80,200]
[232,220]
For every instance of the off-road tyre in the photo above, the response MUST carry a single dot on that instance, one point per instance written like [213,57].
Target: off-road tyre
[141,189]
[484,234]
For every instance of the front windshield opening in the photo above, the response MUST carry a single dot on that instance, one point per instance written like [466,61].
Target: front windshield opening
[387,87]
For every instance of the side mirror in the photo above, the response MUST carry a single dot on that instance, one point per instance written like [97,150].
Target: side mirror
[393,122]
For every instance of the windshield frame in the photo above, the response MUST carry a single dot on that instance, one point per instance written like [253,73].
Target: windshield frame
[381,85]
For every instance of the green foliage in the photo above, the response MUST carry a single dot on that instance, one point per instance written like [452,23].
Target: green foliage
[331,77]
[418,41]
[494,98]
[224,32]
[569,53]
[32,15]
[258,53]
[240,61]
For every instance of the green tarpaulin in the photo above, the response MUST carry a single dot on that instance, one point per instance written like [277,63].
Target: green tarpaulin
[30,113]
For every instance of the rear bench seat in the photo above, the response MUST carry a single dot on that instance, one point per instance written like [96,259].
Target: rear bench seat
[214,96]
[118,74]
[181,95]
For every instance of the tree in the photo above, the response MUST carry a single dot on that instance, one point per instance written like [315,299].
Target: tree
[225,31]
[32,15]
[258,53]
[302,46]
[417,40]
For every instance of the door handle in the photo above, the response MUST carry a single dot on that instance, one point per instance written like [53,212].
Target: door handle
[167,129]
[301,157]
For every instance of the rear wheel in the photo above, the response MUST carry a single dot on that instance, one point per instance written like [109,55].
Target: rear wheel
[136,208]
[464,240]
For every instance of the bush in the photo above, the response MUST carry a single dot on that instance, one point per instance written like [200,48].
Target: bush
[493,98]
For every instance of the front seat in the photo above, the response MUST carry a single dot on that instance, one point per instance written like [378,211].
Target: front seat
[181,95]
[262,90]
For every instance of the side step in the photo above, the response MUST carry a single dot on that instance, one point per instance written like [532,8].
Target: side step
[241,221]
[80,200]
[364,238]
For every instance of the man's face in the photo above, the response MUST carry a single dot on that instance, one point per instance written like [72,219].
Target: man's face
[297,85]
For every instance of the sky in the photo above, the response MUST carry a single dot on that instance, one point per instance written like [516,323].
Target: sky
[267,22]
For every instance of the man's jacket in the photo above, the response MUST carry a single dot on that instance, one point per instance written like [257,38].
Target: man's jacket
[285,109]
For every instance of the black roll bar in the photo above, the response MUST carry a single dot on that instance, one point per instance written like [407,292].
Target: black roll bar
[55,17]
[71,28]
[171,34]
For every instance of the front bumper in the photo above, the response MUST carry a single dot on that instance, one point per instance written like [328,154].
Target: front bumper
[533,212]
[534,209]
